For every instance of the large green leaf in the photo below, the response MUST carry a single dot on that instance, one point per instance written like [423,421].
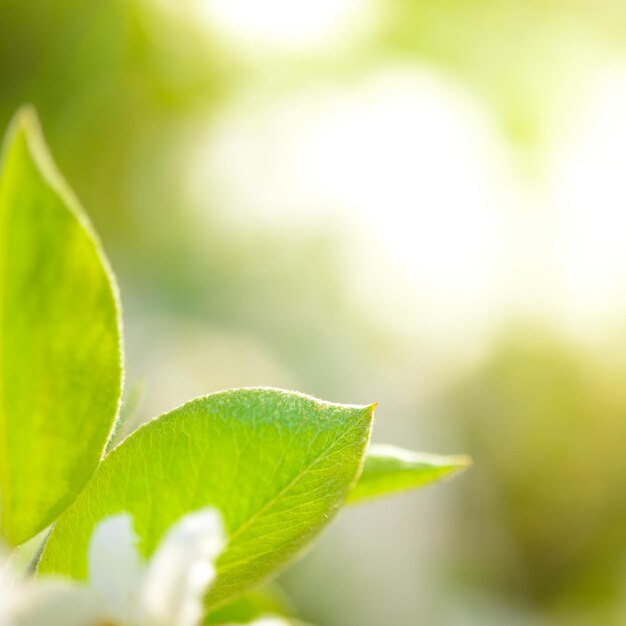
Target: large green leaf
[60,356]
[276,464]
[390,470]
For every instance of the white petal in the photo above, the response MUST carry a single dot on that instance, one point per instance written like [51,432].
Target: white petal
[115,567]
[56,603]
[6,597]
[181,571]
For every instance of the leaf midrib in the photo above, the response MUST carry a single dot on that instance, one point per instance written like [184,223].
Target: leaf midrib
[277,496]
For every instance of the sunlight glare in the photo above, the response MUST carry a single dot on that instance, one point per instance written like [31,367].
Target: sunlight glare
[278,24]
[401,162]
[590,198]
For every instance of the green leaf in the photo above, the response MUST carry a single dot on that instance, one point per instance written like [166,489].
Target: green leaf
[60,354]
[390,470]
[253,605]
[276,464]
[266,619]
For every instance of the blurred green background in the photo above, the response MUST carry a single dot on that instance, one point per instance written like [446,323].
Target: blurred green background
[415,202]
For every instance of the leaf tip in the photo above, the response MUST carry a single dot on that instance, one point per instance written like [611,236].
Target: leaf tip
[25,123]
[25,128]
[453,465]
[26,116]
[460,462]
[368,412]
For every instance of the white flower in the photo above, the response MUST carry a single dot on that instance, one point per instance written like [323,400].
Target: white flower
[168,590]
[6,592]
[123,589]
[24,602]
[51,603]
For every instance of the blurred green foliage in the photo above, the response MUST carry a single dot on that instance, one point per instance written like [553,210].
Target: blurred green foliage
[547,422]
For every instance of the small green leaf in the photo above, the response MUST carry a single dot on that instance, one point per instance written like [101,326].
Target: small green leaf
[390,470]
[60,355]
[276,464]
